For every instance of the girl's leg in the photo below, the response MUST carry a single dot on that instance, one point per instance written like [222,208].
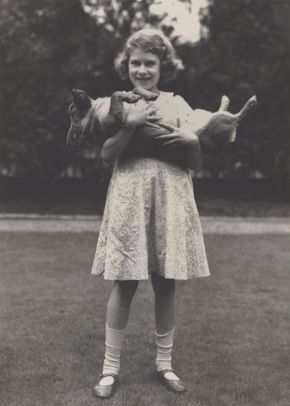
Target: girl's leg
[118,310]
[164,290]
[118,307]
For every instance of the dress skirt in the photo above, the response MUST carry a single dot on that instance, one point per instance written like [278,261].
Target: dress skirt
[150,224]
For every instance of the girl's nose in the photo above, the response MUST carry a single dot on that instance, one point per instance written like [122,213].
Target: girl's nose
[142,69]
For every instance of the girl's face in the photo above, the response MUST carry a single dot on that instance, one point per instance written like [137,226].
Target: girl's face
[144,69]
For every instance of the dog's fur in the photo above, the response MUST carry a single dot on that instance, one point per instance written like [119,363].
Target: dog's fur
[103,117]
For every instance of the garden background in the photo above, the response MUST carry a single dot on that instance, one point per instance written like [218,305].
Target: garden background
[48,47]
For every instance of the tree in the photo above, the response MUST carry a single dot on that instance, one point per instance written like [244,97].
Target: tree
[47,47]
[245,53]
[177,18]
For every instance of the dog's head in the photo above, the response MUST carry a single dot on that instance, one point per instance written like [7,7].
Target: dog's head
[83,121]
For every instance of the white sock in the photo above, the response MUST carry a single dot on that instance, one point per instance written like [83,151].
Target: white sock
[114,340]
[164,345]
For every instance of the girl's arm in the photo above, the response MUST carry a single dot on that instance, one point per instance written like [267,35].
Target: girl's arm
[115,145]
[194,154]
[185,123]
[187,139]
[137,115]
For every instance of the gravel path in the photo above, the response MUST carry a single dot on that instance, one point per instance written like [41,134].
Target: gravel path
[81,223]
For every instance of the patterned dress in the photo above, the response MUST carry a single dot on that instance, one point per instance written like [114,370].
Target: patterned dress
[150,222]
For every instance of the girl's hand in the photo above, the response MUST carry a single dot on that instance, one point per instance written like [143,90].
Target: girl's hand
[185,138]
[177,136]
[141,114]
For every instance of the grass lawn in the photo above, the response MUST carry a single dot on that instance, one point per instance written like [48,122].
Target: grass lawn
[232,337]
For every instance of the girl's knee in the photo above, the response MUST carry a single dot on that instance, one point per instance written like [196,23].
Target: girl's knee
[162,286]
[126,288]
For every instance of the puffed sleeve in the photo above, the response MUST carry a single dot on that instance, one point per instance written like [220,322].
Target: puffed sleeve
[101,108]
[190,118]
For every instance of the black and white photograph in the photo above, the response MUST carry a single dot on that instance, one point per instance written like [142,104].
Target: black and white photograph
[145,202]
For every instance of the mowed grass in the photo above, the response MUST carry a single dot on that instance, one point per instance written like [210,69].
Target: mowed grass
[232,337]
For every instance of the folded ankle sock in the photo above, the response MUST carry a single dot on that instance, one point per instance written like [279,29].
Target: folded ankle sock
[164,345]
[114,340]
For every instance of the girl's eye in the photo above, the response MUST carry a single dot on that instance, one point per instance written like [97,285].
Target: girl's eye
[135,63]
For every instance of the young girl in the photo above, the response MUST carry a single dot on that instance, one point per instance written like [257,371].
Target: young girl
[150,226]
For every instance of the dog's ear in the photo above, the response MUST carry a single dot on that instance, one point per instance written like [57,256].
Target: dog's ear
[82,102]
[74,133]
[73,113]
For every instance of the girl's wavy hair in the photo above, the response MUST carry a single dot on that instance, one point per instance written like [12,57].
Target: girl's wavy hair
[154,41]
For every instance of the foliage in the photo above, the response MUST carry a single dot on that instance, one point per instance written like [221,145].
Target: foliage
[121,17]
[47,47]
[246,53]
